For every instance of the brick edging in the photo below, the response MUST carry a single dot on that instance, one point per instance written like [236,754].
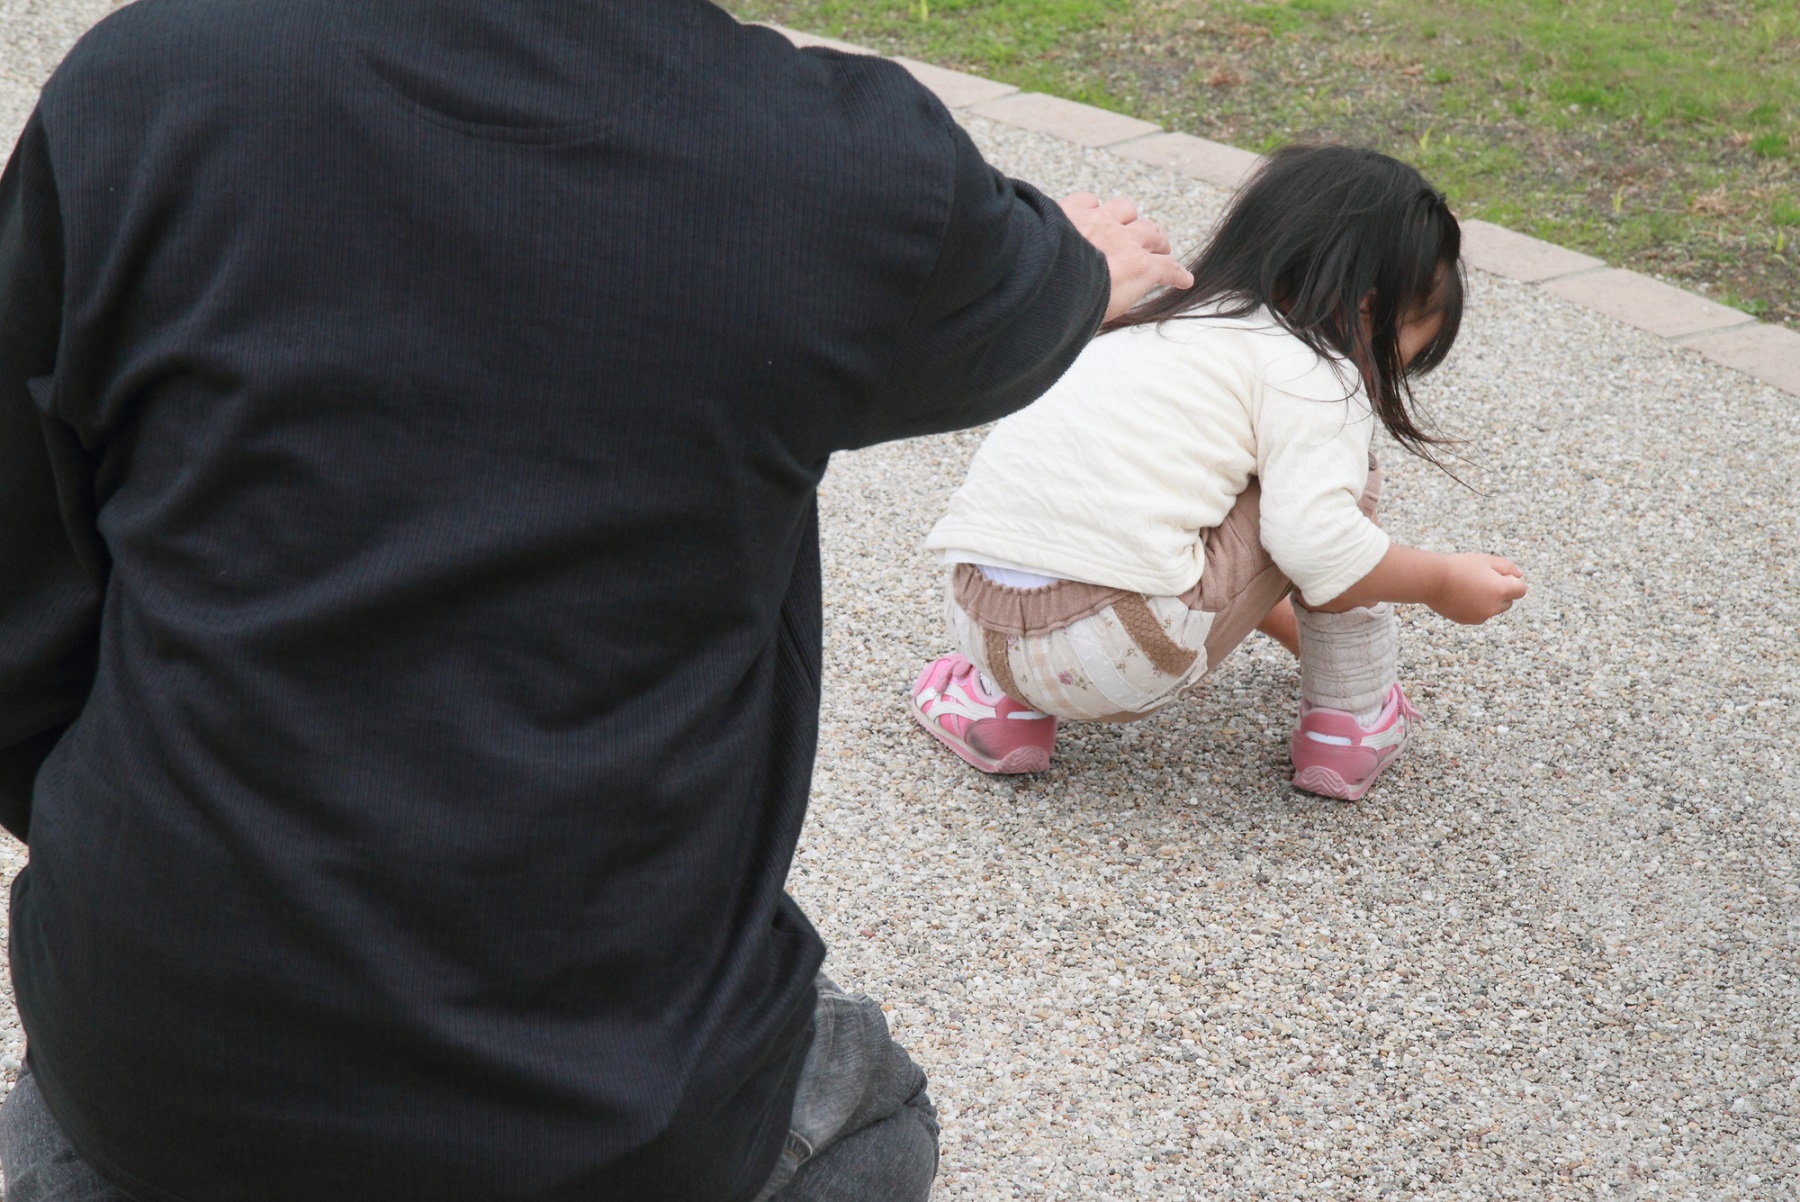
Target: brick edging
[1727,336]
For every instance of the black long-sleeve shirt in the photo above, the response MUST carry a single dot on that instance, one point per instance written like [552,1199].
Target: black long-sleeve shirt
[410,414]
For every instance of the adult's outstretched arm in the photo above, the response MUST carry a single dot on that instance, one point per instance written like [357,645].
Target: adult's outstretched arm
[1015,294]
[49,591]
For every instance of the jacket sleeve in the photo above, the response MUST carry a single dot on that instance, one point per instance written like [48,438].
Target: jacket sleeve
[1015,294]
[49,563]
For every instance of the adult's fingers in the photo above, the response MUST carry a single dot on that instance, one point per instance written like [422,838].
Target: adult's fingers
[1122,208]
[1168,272]
[1149,236]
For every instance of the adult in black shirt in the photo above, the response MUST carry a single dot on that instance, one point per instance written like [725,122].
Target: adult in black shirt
[410,413]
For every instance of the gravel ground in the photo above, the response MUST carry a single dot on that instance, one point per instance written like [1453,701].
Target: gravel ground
[1551,957]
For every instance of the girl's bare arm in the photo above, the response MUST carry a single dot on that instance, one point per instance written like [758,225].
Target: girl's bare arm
[1469,588]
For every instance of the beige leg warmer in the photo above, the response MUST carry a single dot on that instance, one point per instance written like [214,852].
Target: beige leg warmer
[1348,661]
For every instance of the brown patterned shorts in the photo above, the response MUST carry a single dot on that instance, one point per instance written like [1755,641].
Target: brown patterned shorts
[1101,654]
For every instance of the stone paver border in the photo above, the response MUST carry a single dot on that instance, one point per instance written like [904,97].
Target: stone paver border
[1082,124]
[1724,335]
[1646,303]
[1196,158]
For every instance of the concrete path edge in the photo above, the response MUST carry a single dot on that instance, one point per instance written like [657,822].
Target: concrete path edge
[1726,336]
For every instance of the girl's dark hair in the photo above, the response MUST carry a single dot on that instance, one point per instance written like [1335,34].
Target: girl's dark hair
[1312,233]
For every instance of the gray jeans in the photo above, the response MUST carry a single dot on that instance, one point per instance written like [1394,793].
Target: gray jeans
[862,1131]
[863,1128]
[40,1165]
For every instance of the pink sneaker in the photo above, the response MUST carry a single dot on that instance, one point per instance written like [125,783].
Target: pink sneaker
[963,710]
[1336,756]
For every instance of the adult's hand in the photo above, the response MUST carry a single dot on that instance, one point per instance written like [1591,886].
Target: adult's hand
[1137,253]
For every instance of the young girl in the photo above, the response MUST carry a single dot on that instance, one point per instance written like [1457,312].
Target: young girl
[1203,459]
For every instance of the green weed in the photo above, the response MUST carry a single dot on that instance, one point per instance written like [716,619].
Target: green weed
[1768,146]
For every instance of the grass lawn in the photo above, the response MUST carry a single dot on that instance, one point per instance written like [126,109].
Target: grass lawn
[1662,135]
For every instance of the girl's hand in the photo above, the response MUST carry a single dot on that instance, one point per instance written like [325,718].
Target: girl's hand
[1476,587]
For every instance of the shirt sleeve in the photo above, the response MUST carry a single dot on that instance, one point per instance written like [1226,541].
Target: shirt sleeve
[1015,294]
[50,564]
[1313,429]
